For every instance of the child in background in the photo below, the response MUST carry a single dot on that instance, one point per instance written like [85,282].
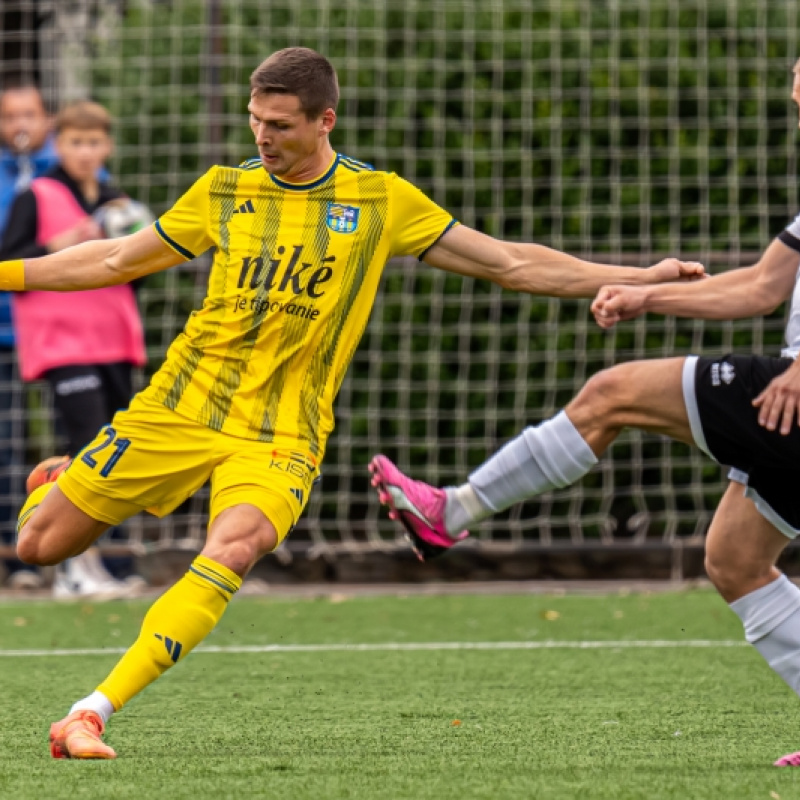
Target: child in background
[84,344]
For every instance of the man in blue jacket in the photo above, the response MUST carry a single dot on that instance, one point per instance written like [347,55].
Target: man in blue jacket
[26,152]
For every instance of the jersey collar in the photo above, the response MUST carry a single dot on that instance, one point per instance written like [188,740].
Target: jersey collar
[304,187]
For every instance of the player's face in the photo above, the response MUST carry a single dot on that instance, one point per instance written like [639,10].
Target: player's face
[24,123]
[82,152]
[290,144]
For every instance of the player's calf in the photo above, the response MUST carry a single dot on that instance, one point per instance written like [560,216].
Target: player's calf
[239,536]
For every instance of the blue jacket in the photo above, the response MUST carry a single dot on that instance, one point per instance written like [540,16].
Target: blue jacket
[41,161]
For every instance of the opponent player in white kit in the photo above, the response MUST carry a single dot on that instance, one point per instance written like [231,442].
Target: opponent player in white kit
[743,411]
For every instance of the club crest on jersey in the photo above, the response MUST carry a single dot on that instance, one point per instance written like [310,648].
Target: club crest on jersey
[342,219]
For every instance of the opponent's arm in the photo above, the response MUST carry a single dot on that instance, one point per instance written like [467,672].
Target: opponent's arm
[92,265]
[747,292]
[537,269]
[779,403]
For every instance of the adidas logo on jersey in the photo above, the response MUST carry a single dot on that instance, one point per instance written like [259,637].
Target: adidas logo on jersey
[245,208]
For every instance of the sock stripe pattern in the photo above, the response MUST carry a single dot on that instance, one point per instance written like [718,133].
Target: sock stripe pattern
[227,582]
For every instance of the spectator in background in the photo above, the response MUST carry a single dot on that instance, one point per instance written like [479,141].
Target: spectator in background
[84,344]
[27,151]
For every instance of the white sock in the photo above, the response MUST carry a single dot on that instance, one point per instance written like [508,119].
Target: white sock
[772,625]
[550,456]
[463,509]
[96,702]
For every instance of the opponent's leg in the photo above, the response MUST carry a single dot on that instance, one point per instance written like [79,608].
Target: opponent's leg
[185,614]
[741,550]
[641,394]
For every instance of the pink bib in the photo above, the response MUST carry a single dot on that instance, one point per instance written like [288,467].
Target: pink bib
[60,329]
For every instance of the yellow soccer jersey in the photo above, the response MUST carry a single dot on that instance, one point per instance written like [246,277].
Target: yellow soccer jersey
[294,277]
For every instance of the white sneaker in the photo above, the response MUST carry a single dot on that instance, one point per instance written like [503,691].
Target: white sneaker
[25,579]
[84,576]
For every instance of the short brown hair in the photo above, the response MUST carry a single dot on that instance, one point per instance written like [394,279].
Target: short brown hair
[83,115]
[302,72]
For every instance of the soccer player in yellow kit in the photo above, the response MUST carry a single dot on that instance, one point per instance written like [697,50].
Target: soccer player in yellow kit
[245,396]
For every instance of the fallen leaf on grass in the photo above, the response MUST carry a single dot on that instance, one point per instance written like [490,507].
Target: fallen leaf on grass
[455,723]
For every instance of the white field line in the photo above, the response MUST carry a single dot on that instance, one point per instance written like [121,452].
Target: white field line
[406,647]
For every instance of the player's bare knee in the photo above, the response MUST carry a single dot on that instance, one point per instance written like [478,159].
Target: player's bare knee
[238,537]
[600,398]
[238,555]
[32,546]
[239,551]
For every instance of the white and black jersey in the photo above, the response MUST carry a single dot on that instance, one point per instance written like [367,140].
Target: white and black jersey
[791,238]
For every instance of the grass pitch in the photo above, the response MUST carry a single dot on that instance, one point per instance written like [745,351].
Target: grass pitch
[697,717]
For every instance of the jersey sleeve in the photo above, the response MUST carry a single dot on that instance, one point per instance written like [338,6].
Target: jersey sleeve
[417,223]
[186,227]
[791,235]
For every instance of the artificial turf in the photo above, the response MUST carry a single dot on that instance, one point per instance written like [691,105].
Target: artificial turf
[617,722]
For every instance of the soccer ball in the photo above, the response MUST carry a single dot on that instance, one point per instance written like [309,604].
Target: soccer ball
[123,217]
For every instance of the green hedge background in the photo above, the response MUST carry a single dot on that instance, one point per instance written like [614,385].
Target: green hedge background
[613,130]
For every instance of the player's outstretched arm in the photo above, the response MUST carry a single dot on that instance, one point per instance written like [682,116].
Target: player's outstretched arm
[91,265]
[747,292]
[537,269]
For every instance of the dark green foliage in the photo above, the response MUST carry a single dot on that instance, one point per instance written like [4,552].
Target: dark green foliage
[622,131]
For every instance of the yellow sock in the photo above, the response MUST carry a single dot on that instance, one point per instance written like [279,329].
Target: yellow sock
[178,621]
[32,503]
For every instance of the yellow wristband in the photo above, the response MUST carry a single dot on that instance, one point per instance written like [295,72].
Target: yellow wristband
[12,276]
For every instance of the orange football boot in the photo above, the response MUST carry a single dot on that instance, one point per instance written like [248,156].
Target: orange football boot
[78,736]
[46,472]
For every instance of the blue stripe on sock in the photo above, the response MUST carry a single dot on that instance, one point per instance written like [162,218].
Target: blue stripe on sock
[219,575]
[219,585]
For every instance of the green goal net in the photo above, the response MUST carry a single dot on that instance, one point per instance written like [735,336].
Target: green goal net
[617,131]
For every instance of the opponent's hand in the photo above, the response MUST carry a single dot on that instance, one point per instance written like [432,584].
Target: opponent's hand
[671,269]
[615,304]
[779,403]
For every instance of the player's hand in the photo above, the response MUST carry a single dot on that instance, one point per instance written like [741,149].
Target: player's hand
[84,231]
[672,269]
[615,304]
[779,403]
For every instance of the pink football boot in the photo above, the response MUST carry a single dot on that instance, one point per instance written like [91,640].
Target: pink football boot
[419,507]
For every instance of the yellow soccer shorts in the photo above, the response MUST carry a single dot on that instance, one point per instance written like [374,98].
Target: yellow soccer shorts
[150,458]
